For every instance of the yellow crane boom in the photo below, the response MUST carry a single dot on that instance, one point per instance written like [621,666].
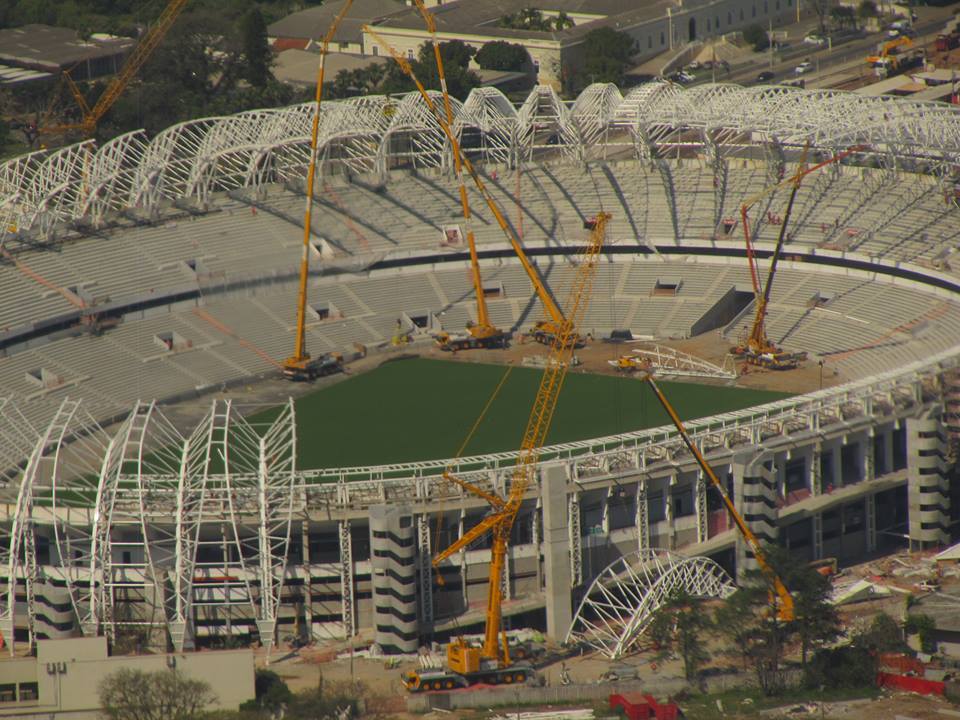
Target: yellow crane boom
[462,658]
[758,347]
[140,54]
[784,601]
[300,366]
[556,319]
[483,333]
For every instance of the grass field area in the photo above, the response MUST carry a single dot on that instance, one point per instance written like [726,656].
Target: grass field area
[418,409]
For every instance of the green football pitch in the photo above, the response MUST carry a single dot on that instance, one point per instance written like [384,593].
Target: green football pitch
[418,409]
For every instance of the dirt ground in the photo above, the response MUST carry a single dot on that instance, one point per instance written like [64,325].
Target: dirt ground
[712,347]
[384,692]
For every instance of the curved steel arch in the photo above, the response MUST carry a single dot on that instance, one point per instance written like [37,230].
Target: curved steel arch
[488,113]
[191,160]
[623,599]
[593,111]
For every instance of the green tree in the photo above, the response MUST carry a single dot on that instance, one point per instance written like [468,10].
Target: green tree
[748,619]
[500,55]
[526,19]
[816,619]
[162,695]
[4,135]
[843,16]
[257,57]
[361,81]
[562,21]
[924,626]
[882,636]
[606,54]
[272,693]
[680,625]
[867,9]
[850,666]
[456,57]
[757,37]
[34,11]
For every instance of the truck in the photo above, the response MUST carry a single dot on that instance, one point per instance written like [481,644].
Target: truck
[312,368]
[476,336]
[466,665]
[946,42]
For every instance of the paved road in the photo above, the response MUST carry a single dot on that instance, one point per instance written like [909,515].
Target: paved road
[846,57]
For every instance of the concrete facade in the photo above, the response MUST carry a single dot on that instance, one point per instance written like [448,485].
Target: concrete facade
[558,56]
[835,487]
[63,679]
[394,578]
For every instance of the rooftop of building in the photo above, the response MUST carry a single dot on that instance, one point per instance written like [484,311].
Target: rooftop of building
[51,46]
[300,66]
[313,23]
[482,18]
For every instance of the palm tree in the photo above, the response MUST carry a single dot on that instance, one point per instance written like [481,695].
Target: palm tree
[562,21]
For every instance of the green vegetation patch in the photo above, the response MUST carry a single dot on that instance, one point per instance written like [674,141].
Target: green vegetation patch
[418,409]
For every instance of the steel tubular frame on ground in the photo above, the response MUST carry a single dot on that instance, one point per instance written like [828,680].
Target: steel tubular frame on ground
[624,597]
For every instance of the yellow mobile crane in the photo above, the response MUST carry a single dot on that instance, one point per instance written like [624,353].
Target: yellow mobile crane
[757,348]
[300,365]
[91,116]
[491,662]
[544,331]
[780,594]
[483,333]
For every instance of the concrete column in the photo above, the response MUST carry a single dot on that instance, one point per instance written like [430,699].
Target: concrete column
[668,512]
[643,517]
[870,511]
[700,502]
[393,554]
[307,585]
[928,486]
[816,481]
[556,558]
[816,525]
[888,448]
[755,495]
[831,479]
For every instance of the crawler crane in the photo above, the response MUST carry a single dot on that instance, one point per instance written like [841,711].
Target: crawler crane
[300,365]
[757,348]
[483,333]
[778,591]
[544,331]
[491,662]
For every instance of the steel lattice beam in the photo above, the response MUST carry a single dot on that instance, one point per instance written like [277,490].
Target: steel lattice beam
[625,596]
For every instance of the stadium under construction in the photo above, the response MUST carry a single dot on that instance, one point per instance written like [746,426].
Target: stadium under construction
[158,270]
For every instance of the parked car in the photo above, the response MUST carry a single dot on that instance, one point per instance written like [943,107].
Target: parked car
[765,76]
[814,39]
[804,67]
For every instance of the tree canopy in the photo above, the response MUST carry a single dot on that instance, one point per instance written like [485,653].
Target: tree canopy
[756,36]
[680,624]
[500,55]
[606,54]
[131,694]
[212,62]
[390,79]
[534,19]
[750,622]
